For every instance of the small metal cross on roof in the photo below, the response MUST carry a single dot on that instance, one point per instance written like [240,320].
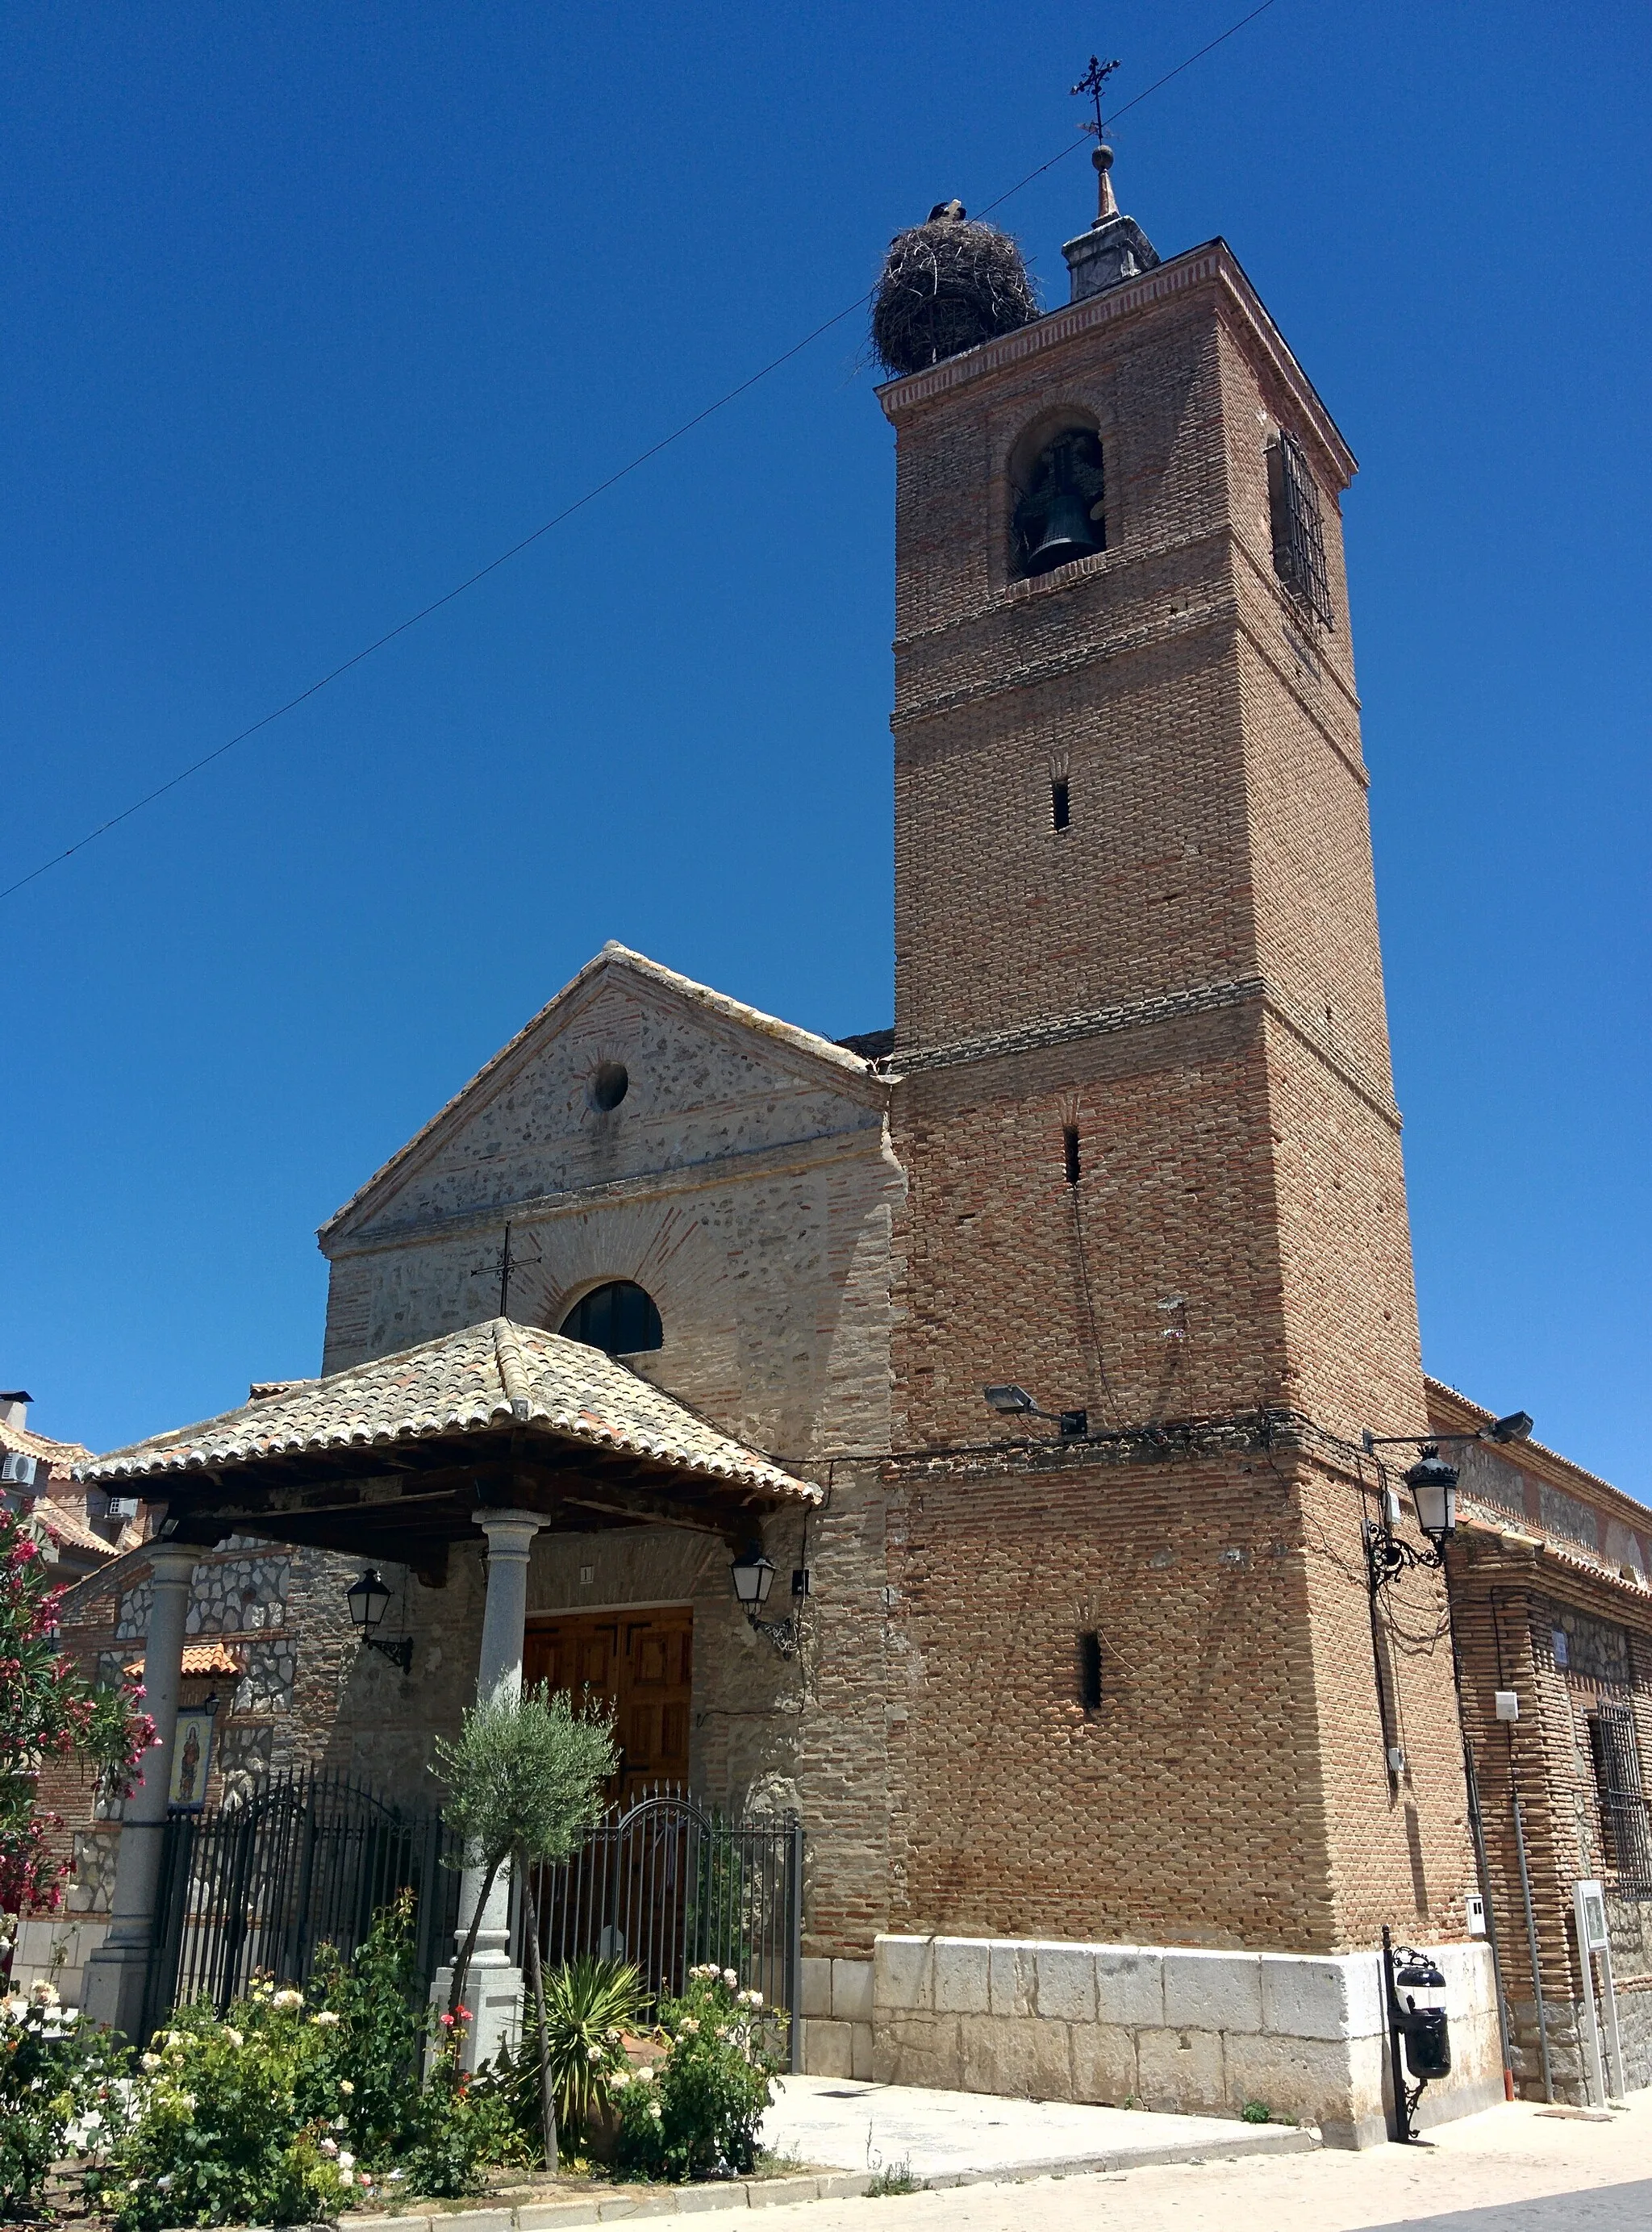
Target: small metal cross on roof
[1092,82]
[501,1268]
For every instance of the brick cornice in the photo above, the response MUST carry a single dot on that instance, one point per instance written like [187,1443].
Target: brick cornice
[1142,1014]
[1213,264]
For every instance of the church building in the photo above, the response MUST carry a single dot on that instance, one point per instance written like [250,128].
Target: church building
[1013,1365]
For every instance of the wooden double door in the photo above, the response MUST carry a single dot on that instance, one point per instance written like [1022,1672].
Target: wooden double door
[642,1663]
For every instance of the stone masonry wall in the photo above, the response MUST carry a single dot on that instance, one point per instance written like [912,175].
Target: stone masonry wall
[752,1197]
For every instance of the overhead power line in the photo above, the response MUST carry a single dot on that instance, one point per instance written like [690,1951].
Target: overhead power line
[579,504]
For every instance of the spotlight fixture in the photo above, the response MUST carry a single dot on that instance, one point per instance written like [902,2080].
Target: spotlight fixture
[1517,1427]
[1014,1401]
[368,1599]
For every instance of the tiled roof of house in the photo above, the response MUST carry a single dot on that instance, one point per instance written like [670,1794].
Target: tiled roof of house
[198,1658]
[489,1376]
[59,1458]
[69,1525]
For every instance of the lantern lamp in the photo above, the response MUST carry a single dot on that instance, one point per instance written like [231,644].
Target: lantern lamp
[1433,1483]
[753,1577]
[368,1599]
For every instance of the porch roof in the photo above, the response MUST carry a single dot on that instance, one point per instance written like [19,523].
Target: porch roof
[410,1445]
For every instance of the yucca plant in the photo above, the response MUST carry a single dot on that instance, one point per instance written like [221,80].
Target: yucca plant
[589,2006]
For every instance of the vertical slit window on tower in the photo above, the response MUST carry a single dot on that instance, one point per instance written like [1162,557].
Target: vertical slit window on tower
[1070,1152]
[1298,534]
[1090,1671]
[1059,813]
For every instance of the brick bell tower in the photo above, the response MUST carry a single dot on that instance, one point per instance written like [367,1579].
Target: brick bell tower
[1145,1111]
[1154,1151]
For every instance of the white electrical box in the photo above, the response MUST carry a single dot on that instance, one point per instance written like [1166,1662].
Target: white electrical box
[1396,1758]
[1474,1914]
[1508,1705]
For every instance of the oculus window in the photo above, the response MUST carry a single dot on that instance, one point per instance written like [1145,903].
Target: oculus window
[619,1319]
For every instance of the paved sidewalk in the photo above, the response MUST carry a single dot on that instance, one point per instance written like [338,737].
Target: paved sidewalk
[949,2138]
[1517,2168]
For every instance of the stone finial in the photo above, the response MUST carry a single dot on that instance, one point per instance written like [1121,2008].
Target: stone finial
[1115,247]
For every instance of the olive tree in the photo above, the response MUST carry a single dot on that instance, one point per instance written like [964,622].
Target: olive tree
[523,1780]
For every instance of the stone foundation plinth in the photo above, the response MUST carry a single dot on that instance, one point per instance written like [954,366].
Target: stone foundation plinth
[1163,2027]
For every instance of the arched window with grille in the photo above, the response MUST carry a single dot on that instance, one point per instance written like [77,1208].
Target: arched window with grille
[619,1318]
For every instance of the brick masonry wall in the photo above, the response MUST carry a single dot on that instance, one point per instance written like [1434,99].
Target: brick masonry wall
[1231,1790]
[1507,1598]
[1189,976]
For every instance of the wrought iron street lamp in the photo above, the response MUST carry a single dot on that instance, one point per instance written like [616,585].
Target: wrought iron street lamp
[368,1599]
[753,1577]
[1433,1484]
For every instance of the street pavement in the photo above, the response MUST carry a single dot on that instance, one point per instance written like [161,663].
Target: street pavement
[1515,2169]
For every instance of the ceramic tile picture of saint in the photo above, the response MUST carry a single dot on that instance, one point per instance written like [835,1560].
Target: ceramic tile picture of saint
[192,1757]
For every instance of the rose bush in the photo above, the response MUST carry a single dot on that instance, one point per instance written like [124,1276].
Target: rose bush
[55,2074]
[695,2112]
[302,2102]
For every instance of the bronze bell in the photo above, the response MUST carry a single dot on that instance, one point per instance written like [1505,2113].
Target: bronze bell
[1059,518]
[1068,532]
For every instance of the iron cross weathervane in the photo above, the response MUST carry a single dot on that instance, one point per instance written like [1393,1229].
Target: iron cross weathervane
[502,1268]
[1092,82]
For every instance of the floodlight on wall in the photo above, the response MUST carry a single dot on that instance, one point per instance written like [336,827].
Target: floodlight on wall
[752,1578]
[1517,1427]
[1011,1401]
[369,1600]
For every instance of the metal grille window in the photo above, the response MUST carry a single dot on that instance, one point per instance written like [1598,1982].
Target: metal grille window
[1625,1831]
[1299,536]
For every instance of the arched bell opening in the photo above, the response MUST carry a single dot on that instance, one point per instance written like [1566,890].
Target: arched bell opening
[1059,512]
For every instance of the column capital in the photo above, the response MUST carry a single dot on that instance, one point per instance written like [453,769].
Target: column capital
[173,1561]
[510,1534]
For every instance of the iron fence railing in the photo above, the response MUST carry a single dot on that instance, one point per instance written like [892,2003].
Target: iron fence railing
[667,1883]
[257,1884]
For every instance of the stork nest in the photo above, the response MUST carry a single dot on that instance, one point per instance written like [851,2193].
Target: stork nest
[947,285]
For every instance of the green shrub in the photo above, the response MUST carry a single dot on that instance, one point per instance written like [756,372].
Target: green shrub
[589,2006]
[299,2106]
[431,2138]
[1255,2112]
[895,2178]
[218,2135]
[695,2113]
[54,2074]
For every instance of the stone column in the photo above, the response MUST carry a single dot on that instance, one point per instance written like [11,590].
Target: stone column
[112,1989]
[493,1988]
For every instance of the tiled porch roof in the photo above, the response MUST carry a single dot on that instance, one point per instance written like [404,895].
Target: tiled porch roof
[489,1376]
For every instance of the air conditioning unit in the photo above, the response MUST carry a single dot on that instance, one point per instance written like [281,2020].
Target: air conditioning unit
[17,1470]
[123,1507]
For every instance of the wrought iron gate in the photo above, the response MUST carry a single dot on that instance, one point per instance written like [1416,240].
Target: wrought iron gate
[664,1882]
[258,1883]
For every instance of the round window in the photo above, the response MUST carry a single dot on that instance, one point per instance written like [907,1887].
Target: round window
[609,1085]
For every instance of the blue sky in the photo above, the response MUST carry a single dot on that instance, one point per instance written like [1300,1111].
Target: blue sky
[309,310]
